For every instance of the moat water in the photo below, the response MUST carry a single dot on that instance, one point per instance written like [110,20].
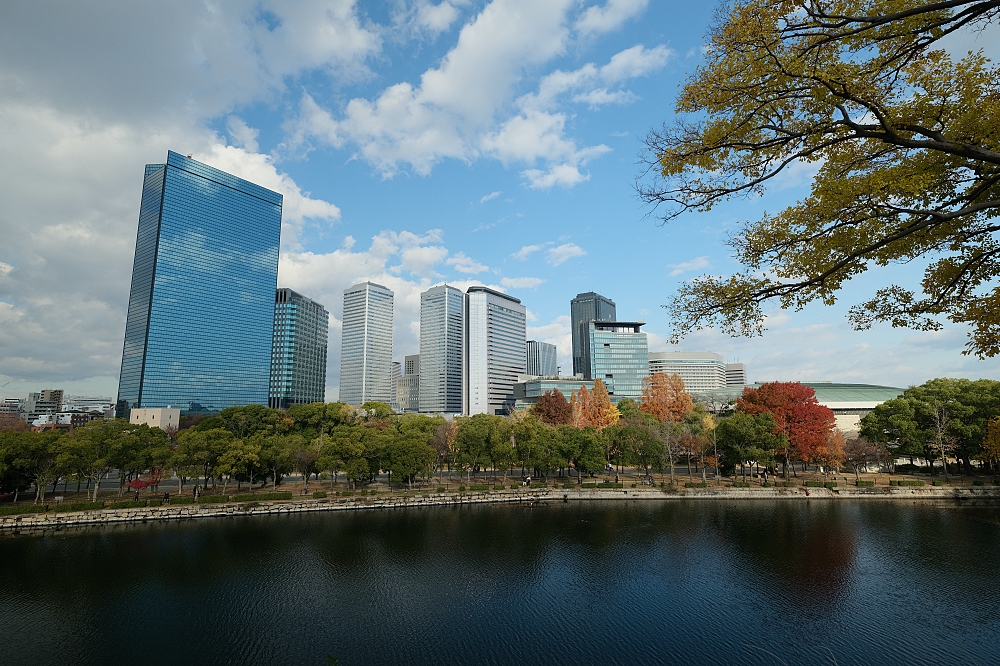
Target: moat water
[695,582]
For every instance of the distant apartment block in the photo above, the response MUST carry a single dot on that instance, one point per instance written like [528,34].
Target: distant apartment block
[408,385]
[585,308]
[366,345]
[164,418]
[701,371]
[619,357]
[442,349]
[540,358]
[298,350]
[395,372]
[736,374]
[49,401]
[495,330]
[201,307]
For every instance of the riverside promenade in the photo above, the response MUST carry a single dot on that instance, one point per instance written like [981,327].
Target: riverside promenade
[51,520]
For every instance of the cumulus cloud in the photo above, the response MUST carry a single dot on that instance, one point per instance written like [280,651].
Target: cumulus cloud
[695,264]
[452,112]
[463,264]
[241,134]
[521,282]
[527,251]
[562,253]
[608,17]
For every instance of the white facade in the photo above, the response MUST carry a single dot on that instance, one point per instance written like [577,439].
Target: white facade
[701,371]
[736,374]
[366,344]
[495,332]
[156,417]
[540,358]
[442,349]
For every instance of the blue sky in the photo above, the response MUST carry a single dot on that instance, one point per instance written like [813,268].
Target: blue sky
[415,142]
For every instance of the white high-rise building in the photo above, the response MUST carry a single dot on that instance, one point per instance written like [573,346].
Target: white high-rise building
[442,349]
[395,373]
[701,371]
[366,344]
[736,374]
[540,358]
[495,332]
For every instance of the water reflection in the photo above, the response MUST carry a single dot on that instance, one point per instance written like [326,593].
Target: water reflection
[602,583]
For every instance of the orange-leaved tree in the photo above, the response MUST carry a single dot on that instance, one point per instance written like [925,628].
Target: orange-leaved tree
[599,411]
[664,397]
[797,415]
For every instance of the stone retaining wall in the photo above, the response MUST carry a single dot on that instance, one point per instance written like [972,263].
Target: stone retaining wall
[187,511]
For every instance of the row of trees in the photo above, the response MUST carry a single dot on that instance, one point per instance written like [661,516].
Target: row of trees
[939,419]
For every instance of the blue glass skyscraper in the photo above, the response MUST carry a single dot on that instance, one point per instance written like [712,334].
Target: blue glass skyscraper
[201,308]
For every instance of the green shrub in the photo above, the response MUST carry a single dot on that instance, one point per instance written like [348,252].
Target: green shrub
[941,483]
[478,488]
[610,484]
[633,485]
[262,497]
[130,504]
[996,482]
[499,487]
[440,489]
[785,484]
[182,500]
[741,484]
[813,484]
[979,482]
[695,485]
[906,482]
[830,484]
[319,494]
[461,489]
[79,506]
[18,509]
[212,499]
[589,485]
[569,486]
[866,484]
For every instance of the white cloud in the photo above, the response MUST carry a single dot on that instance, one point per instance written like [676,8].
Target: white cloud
[527,251]
[521,282]
[695,264]
[242,135]
[453,112]
[489,197]
[463,264]
[601,97]
[556,333]
[598,19]
[435,18]
[562,253]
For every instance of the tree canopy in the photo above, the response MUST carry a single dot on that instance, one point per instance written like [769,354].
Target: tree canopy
[905,141]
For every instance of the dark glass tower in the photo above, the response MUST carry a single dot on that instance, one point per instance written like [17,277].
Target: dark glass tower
[298,357]
[584,309]
[201,309]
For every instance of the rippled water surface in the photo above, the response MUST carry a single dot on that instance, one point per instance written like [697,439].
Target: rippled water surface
[578,583]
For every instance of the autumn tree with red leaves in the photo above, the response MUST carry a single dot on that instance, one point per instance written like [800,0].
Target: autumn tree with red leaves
[553,408]
[797,415]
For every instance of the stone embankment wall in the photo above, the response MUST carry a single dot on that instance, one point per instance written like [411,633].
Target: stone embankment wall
[187,511]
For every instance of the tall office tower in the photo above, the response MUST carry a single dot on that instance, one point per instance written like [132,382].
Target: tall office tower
[442,349]
[540,358]
[201,308]
[366,346]
[298,353]
[736,374]
[701,371]
[494,350]
[395,372]
[408,386]
[619,357]
[584,309]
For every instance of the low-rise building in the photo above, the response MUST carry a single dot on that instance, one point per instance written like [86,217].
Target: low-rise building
[163,418]
[530,388]
[701,371]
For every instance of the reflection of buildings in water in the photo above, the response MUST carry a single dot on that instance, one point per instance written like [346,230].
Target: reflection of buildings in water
[810,551]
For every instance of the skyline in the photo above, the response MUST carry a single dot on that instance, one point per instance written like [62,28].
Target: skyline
[398,165]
